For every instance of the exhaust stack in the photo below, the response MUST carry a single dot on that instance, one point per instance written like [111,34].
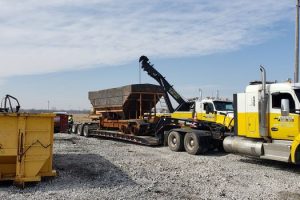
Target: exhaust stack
[263,102]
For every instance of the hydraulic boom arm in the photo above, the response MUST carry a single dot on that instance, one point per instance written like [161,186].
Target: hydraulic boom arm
[168,88]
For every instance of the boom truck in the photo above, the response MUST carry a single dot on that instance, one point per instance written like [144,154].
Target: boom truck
[267,121]
[208,109]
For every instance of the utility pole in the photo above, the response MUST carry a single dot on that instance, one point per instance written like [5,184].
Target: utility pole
[48,105]
[296,75]
[200,93]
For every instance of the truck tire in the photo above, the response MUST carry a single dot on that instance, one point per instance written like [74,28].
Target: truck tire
[297,156]
[86,130]
[74,129]
[175,141]
[193,144]
[79,129]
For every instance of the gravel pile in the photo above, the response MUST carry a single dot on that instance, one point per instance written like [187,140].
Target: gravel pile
[93,168]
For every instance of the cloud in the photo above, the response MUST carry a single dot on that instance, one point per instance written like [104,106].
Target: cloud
[49,36]
[2,82]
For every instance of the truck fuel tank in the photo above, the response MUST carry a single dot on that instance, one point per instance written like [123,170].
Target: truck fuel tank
[242,145]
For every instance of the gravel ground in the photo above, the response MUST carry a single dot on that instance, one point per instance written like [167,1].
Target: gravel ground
[93,168]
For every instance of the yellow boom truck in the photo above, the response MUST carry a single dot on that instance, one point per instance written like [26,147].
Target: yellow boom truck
[207,110]
[26,142]
[267,121]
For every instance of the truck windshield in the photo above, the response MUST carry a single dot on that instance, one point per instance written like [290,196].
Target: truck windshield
[223,106]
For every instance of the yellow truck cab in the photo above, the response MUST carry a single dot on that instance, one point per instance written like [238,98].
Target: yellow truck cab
[209,109]
[219,111]
[267,121]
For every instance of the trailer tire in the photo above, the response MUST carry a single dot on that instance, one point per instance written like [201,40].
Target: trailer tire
[74,129]
[175,141]
[193,144]
[86,130]
[79,129]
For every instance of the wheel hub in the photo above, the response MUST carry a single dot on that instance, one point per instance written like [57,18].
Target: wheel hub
[174,140]
[191,142]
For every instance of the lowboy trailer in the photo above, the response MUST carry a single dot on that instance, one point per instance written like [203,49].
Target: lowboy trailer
[129,113]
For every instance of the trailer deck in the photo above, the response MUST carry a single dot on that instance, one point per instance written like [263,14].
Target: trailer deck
[144,140]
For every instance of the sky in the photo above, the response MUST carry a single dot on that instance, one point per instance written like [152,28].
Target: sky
[56,51]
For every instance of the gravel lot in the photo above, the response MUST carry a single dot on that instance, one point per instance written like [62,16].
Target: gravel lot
[94,168]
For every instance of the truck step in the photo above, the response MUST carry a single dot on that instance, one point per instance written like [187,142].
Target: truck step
[278,150]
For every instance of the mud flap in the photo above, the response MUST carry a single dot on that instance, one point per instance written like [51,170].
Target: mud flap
[166,135]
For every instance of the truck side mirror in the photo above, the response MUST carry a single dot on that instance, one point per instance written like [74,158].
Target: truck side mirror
[285,107]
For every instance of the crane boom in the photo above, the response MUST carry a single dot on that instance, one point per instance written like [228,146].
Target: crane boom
[167,87]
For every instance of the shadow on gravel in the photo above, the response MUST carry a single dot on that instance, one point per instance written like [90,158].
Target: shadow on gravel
[271,163]
[77,171]
[72,139]
[88,170]
[121,143]
[214,154]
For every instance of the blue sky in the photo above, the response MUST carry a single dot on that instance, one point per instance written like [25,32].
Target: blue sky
[58,50]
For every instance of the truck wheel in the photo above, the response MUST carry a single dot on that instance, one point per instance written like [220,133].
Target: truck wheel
[74,129]
[79,129]
[86,130]
[175,141]
[192,144]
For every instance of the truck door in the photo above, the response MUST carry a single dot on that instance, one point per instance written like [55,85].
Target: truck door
[210,114]
[282,127]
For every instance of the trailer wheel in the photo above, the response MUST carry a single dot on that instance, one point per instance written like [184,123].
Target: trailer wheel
[74,129]
[192,144]
[79,129]
[175,141]
[86,130]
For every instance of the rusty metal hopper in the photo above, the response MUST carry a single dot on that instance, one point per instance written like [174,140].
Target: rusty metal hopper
[129,102]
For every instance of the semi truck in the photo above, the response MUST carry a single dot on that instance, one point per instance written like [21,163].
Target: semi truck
[129,113]
[267,121]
